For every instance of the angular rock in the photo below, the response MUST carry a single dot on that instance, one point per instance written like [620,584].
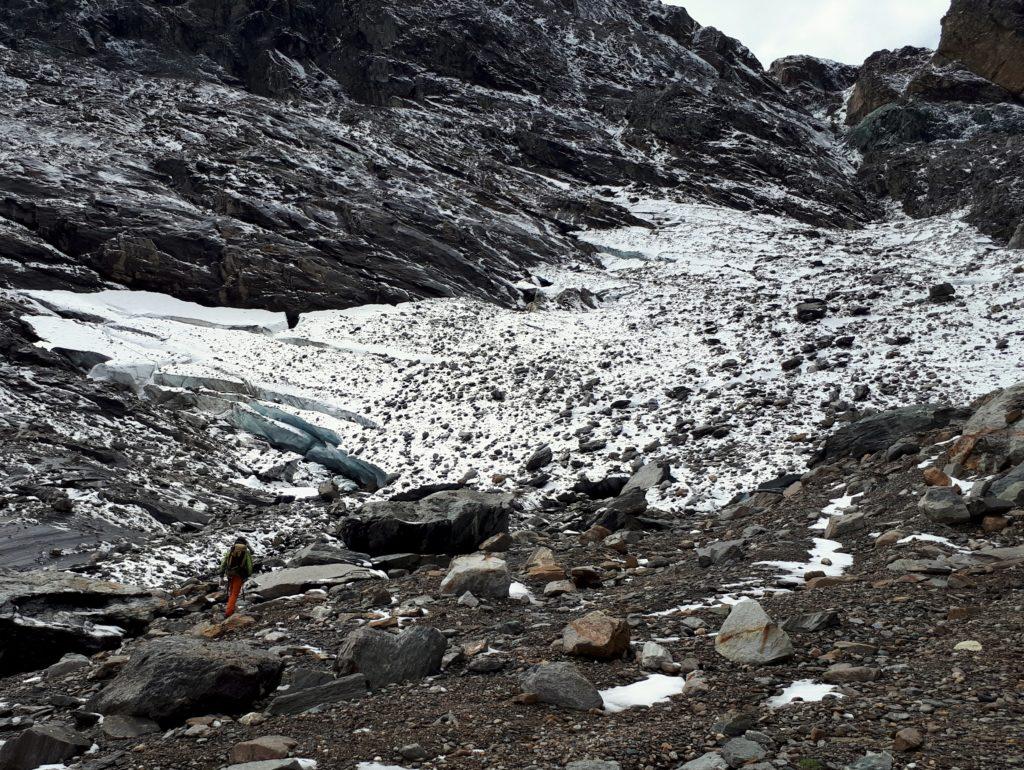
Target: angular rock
[654,657]
[541,457]
[46,744]
[445,522]
[749,636]
[811,622]
[742,751]
[169,679]
[122,726]
[351,687]
[593,764]
[596,635]
[498,543]
[848,524]
[69,663]
[384,658]
[944,506]
[872,762]
[649,476]
[844,673]
[263,748]
[709,761]
[721,552]
[561,684]
[273,764]
[482,574]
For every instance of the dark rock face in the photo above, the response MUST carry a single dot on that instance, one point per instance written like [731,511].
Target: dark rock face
[817,83]
[341,689]
[882,80]
[880,431]
[170,679]
[44,615]
[384,658]
[445,522]
[988,37]
[255,156]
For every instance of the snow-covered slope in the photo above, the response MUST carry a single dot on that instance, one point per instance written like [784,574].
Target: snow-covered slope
[680,359]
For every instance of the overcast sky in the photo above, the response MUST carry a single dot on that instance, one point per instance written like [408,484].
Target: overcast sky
[844,30]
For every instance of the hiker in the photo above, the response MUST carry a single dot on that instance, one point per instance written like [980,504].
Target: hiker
[237,567]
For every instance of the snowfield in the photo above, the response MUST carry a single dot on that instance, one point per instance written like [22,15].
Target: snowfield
[681,359]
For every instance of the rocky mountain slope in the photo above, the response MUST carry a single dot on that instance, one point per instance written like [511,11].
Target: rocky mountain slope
[593,398]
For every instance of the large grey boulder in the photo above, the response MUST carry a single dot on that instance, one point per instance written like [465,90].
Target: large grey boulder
[482,574]
[384,658]
[295,580]
[749,636]
[709,761]
[1007,488]
[47,614]
[720,552]
[993,437]
[944,506]
[647,477]
[454,521]
[169,679]
[46,744]
[880,431]
[561,684]
[344,688]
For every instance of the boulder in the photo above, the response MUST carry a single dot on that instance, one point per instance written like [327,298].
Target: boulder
[384,658]
[541,457]
[654,657]
[596,635]
[742,751]
[542,565]
[707,761]
[317,554]
[455,521]
[648,476]
[878,432]
[296,580]
[122,726]
[66,665]
[872,762]
[993,436]
[561,684]
[593,764]
[1007,488]
[262,748]
[47,744]
[482,574]
[169,679]
[749,636]
[46,614]
[721,552]
[274,764]
[944,506]
[848,524]
[987,36]
[298,699]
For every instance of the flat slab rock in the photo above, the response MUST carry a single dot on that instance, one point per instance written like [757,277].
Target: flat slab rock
[296,580]
[384,658]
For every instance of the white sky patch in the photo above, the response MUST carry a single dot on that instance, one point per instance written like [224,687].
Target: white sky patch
[842,30]
[805,690]
[654,689]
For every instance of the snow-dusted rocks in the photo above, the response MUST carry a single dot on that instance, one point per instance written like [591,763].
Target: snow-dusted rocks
[454,521]
[596,635]
[170,679]
[44,615]
[482,574]
[561,684]
[295,580]
[749,636]
[384,658]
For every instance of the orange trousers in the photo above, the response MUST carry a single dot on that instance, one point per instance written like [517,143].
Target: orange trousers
[234,589]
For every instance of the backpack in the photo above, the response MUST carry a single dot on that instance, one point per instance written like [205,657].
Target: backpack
[236,558]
